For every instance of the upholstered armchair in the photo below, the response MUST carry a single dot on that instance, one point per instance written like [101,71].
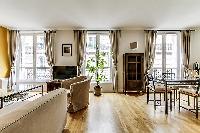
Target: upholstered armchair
[67,82]
[78,96]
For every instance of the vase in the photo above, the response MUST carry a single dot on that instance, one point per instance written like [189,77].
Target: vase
[97,90]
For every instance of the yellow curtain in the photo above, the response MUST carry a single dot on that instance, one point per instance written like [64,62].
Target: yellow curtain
[4,56]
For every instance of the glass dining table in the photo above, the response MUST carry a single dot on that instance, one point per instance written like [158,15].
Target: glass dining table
[177,82]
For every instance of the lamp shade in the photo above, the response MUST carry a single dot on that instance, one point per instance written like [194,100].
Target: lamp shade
[133,45]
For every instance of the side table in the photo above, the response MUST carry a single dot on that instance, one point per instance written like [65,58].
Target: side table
[53,85]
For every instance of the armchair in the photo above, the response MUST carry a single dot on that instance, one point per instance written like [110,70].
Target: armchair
[78,97]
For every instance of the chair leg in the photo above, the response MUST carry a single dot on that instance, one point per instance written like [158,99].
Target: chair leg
[176,94]
[170,101]
[147,95]
[179,101]
[160,98]
[197,107]
[164,97]
[188,100]
[194,102]
[154,95]
[174,97]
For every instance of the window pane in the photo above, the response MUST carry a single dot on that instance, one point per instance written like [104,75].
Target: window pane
[166,55]
[27,51]
[104,43]
[43,73]
[106,72]
[33,63]
[91,43]
[41,60]
[107,58]
[90,74]
[171,51]
[103,46]
[25,86]
[90,55]
[158,52]
[26,73]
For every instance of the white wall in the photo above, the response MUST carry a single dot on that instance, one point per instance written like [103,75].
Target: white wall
[127,37]
[195,47]
[65,37]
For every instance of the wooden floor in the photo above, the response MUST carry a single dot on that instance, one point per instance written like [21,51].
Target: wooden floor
[119,113]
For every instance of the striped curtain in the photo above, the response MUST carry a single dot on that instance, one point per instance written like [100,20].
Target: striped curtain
[15,40]
[185,36]
[49,46]
[80,37]
[114,40]
[14,43]
[150,38]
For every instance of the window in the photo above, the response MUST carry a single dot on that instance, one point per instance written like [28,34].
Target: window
[102,42]
[32,65]
[167,54]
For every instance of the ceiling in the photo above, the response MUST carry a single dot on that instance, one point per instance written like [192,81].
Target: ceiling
[100,14]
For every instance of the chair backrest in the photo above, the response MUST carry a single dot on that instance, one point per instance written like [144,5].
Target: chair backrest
[168,76]
[150,77]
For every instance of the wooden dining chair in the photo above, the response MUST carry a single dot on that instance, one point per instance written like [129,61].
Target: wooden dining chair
[190,91]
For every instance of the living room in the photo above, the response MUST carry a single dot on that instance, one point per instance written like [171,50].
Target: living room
[148,80]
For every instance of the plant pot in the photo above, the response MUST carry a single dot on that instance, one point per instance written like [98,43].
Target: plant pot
[97,90]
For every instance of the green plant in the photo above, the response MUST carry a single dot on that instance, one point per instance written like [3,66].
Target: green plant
[95,65]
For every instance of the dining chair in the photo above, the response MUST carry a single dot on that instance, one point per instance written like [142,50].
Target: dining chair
[171,76]
[157,87]
[190,91]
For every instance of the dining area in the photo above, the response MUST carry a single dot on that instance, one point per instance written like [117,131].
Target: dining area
[177,94]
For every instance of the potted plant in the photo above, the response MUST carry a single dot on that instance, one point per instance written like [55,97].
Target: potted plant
[95,66]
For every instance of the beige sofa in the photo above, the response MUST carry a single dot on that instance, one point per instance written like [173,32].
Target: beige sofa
[78,96]
[46,114]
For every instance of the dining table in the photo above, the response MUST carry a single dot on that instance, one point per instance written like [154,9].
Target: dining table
[177,82]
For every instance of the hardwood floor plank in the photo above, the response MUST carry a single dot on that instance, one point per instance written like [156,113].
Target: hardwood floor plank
[119,113]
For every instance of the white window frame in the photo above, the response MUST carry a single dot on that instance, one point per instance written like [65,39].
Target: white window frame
[98,33]
[33,81]
[164,33]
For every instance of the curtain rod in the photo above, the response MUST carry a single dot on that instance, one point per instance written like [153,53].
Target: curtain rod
[170,30]
[98,30]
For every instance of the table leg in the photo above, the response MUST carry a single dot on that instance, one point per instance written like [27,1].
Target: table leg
[147,94]
[166,99]
[1,106]
[42,90]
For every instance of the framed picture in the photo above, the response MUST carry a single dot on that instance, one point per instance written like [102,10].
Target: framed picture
[66,49]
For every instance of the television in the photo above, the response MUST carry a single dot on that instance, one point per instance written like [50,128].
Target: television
[64,72]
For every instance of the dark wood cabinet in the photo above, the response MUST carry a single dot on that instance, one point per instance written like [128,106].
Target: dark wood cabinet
[133,72]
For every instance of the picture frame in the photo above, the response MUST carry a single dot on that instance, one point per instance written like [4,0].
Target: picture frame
[66,49]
